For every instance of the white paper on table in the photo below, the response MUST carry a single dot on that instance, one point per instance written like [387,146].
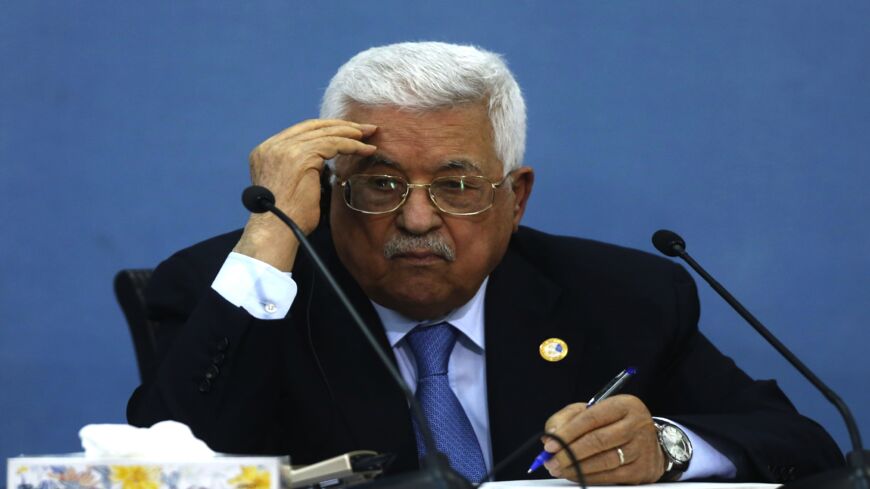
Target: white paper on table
[548,483]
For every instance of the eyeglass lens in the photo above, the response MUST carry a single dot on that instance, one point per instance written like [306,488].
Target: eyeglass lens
[382,193]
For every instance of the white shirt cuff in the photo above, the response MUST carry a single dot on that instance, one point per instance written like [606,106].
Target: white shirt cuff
[706,461]
[257,287]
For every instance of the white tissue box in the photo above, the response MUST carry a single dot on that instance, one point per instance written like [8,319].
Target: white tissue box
[75,471]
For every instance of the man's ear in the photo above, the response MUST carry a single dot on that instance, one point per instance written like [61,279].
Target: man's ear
[522,181]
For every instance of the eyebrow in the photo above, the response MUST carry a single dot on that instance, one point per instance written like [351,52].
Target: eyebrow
[376,159]
[462,164]
[454,164]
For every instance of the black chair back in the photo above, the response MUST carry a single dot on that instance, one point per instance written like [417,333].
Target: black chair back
[130,292]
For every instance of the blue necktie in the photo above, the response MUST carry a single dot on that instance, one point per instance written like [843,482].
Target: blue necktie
[451,428]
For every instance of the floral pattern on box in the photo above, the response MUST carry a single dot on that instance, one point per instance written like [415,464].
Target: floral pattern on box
[78,473]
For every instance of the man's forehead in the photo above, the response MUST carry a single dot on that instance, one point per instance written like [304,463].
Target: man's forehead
[454,138]
[397,123]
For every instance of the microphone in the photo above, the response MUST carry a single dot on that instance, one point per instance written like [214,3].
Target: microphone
[438,473]
[258,199]
[857,474]
[668,242]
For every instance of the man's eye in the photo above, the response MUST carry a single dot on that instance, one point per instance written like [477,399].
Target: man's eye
[457,184]
[384,183]
[453,184]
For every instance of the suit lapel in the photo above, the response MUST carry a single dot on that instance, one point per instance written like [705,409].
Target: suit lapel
[523,388]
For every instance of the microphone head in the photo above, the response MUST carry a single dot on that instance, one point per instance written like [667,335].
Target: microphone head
[255,198]
[668,242]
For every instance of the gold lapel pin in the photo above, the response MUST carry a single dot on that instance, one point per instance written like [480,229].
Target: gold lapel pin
[553,349]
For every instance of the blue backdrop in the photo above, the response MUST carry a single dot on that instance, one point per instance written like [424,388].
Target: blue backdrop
[125,129]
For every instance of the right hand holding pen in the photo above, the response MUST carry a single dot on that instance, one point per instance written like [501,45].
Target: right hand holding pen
[289,164]
[596,436]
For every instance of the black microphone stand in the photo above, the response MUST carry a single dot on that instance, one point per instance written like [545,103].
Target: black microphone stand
[856,475]
[436,472]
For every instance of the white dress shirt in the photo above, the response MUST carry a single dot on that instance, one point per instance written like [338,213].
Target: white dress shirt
[267,293]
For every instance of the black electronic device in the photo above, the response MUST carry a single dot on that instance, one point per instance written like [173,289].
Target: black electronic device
[347,470]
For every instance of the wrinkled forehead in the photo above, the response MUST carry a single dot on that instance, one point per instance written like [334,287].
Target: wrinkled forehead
[455,139]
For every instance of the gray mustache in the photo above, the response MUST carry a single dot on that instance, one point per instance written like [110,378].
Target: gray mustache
[407,243]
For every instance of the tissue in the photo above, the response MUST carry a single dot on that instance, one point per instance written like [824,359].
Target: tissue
[164,440]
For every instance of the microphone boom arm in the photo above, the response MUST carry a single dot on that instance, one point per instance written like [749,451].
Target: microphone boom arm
[854,435]
[670,244]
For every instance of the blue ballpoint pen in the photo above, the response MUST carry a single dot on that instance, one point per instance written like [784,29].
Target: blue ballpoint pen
[608,390]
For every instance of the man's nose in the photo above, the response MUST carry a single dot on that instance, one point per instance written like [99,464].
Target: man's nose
[418,215]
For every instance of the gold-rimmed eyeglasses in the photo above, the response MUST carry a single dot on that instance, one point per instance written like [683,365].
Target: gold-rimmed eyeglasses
[456,195]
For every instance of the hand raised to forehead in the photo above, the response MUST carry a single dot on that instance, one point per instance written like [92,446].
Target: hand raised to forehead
[289,164]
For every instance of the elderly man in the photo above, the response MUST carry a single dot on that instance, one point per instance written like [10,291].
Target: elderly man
[501,330]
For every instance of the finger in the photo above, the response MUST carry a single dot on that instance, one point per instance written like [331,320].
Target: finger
[610,460]
[595,442]
[630,473]
[606,412]
[312,153]
[633,473]
[560,418]
[636,424]
[314,124]
[302,128]
[642,453]
[602,439]
[332,146]
[339,131]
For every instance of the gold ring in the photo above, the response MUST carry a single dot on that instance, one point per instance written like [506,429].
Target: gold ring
[621,457]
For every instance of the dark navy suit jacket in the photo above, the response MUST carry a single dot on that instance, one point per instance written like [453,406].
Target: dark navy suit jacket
[309,385]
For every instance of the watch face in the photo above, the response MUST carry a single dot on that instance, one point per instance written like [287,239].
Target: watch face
[676,444]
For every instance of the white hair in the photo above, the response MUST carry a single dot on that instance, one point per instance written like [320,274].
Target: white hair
[430,76]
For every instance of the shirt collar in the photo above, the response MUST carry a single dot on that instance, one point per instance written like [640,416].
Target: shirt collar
[468,319]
